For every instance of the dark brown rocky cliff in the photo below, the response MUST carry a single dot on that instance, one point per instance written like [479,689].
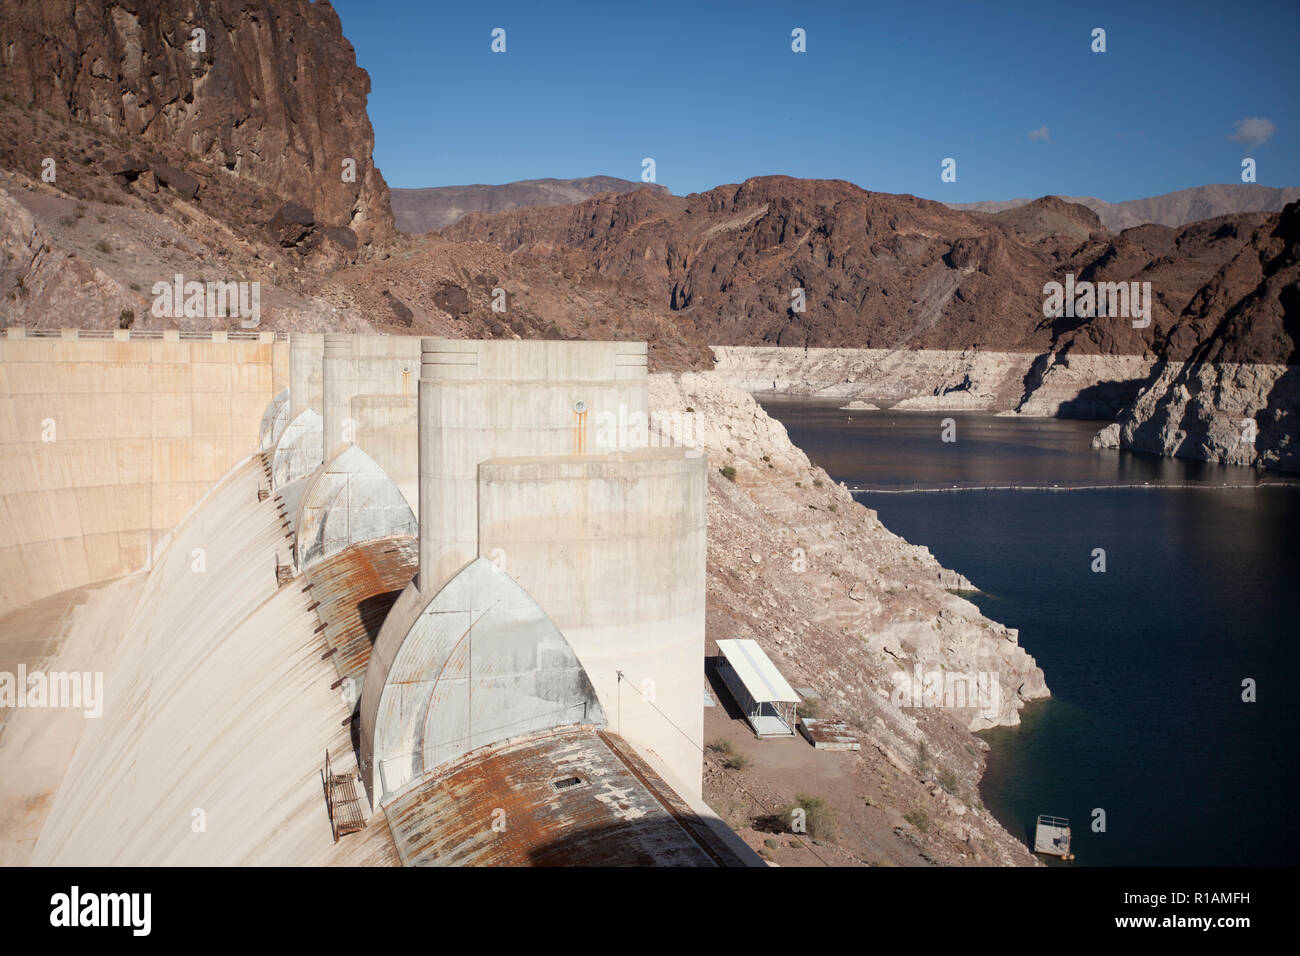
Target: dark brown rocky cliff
[275,95]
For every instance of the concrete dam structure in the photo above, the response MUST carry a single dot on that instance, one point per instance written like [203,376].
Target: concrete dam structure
[421,558]
[109,439]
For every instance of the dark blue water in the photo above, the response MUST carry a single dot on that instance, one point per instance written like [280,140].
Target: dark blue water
[1146,660]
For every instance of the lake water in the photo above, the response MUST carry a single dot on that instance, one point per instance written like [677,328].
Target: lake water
[1146,660]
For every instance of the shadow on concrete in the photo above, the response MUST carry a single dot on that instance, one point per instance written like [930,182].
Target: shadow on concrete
[659,842]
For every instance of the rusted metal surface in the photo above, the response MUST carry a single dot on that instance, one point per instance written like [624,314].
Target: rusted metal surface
[283,571]
[355,589]
[828,733]
[574,797]
[346,815]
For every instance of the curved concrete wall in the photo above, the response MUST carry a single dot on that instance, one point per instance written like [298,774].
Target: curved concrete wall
[348,501]
[218,702]
[106,444]
[297,453]
[480,663]
[274,420]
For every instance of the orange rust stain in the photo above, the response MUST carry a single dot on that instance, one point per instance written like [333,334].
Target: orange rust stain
[580,432]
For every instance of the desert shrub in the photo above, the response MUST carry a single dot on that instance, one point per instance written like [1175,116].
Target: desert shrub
[728,472]
[948,780]
[922,757]
[919,819]
[103,246]
[819,816]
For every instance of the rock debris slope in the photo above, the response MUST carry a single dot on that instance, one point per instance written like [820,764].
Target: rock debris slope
[843,605]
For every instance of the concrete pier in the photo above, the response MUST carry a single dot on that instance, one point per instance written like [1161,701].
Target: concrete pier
[337,429]
[305,352]
[494,399]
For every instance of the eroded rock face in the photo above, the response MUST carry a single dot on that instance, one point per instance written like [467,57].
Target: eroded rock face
[39,278]
[824,263]
[843,606]
[1234,400]
[861,600]
[272,93]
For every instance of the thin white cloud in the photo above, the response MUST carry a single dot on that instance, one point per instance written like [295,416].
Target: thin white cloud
[1253,131]
[1041,133]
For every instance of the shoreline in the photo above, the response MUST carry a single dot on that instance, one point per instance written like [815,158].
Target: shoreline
[1150,486]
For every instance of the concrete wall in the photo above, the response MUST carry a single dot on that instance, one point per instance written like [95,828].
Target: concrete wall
[373,398]
[387,429]
[382,406]
[218,701]
[484,400]
[142,427]
[613,548]
[306,350]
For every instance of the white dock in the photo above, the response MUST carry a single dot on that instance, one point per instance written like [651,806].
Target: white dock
[1052,836]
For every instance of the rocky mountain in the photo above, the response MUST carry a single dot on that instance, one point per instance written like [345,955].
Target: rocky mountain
[1168,209]
[268,93]
[1235,398]
[426,210]
[875,270]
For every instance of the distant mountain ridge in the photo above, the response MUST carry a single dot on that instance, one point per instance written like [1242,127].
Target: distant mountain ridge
[1169,209]
[876,270]
[427,210]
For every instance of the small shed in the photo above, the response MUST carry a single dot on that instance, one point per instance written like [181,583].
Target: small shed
[764,696]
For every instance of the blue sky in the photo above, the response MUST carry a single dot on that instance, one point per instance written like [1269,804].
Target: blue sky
[714,94]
